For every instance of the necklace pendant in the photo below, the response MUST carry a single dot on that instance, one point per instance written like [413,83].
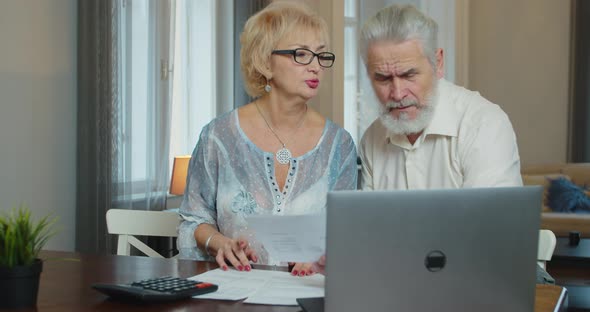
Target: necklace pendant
[283,156]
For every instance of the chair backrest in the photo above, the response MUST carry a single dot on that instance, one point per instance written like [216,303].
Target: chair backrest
[127,223]
[547,242]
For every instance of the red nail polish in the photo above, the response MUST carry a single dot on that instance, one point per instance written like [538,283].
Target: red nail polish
[301,273]
[241,268]
[294,273]
[248,268]
[225,267]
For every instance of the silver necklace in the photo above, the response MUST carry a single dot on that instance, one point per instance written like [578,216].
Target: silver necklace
[283,155]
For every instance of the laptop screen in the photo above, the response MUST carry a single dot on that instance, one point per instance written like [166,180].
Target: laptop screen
[432,250]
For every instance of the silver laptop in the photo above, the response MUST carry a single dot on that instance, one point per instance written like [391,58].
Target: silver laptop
[432,250]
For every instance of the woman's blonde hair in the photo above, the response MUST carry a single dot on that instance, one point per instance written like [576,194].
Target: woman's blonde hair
[262,33]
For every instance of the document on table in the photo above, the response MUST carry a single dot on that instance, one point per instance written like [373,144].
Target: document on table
[261,286]
[299,238]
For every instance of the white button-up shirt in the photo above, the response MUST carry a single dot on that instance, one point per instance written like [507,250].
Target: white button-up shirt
[470,142]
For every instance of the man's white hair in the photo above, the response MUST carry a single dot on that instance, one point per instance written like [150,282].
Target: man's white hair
[400,23]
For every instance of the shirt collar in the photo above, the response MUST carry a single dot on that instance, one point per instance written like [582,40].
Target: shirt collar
[446,117]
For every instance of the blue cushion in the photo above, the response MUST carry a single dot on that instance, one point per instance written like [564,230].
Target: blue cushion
[565,196]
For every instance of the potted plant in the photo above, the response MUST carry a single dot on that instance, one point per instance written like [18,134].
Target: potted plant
[21,240]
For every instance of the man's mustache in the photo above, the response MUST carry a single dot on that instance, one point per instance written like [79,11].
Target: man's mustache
[402,103]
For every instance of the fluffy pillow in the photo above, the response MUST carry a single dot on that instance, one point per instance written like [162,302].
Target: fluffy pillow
[543,180]
[564,196]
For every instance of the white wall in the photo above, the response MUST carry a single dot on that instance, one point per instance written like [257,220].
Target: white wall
[519,54]
[38,110]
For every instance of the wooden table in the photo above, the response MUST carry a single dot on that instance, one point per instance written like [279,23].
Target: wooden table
[571,269]
[65,285]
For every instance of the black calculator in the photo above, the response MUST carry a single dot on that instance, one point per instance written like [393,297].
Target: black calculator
[156,289]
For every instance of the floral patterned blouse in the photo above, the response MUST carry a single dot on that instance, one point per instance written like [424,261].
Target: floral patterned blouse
[230,178]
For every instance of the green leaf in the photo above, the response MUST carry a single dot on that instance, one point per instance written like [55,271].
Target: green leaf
[21,238]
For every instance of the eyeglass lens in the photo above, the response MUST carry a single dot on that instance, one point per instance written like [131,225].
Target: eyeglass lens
[304,56]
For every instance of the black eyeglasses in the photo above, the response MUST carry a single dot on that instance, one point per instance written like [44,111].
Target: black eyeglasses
[304,56]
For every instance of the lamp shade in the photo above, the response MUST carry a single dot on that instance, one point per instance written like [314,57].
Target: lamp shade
[179,172]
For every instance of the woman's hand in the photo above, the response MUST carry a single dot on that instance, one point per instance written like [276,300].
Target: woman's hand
[237,252]
[302,269]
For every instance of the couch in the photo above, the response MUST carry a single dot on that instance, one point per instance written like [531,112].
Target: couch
[560,223]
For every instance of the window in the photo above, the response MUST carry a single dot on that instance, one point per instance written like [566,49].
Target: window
[167,87]
[136,45]
[194,81]
[351,69]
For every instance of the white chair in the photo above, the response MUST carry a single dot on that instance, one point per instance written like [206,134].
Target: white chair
[127,223]
[547,242]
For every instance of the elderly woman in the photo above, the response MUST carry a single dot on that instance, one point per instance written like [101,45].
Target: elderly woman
[275,155]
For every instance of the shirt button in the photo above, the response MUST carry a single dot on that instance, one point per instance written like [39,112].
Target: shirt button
[279,210]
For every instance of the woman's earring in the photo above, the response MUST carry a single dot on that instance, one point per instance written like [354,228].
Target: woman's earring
[267,88]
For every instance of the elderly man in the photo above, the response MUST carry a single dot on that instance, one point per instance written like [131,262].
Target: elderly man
[430,132]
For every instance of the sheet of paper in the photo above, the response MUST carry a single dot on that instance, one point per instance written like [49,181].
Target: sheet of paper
[291,238]
[262,286]
[284,289]
[233,284]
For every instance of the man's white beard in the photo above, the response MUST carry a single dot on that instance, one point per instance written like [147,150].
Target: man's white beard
[403,125]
